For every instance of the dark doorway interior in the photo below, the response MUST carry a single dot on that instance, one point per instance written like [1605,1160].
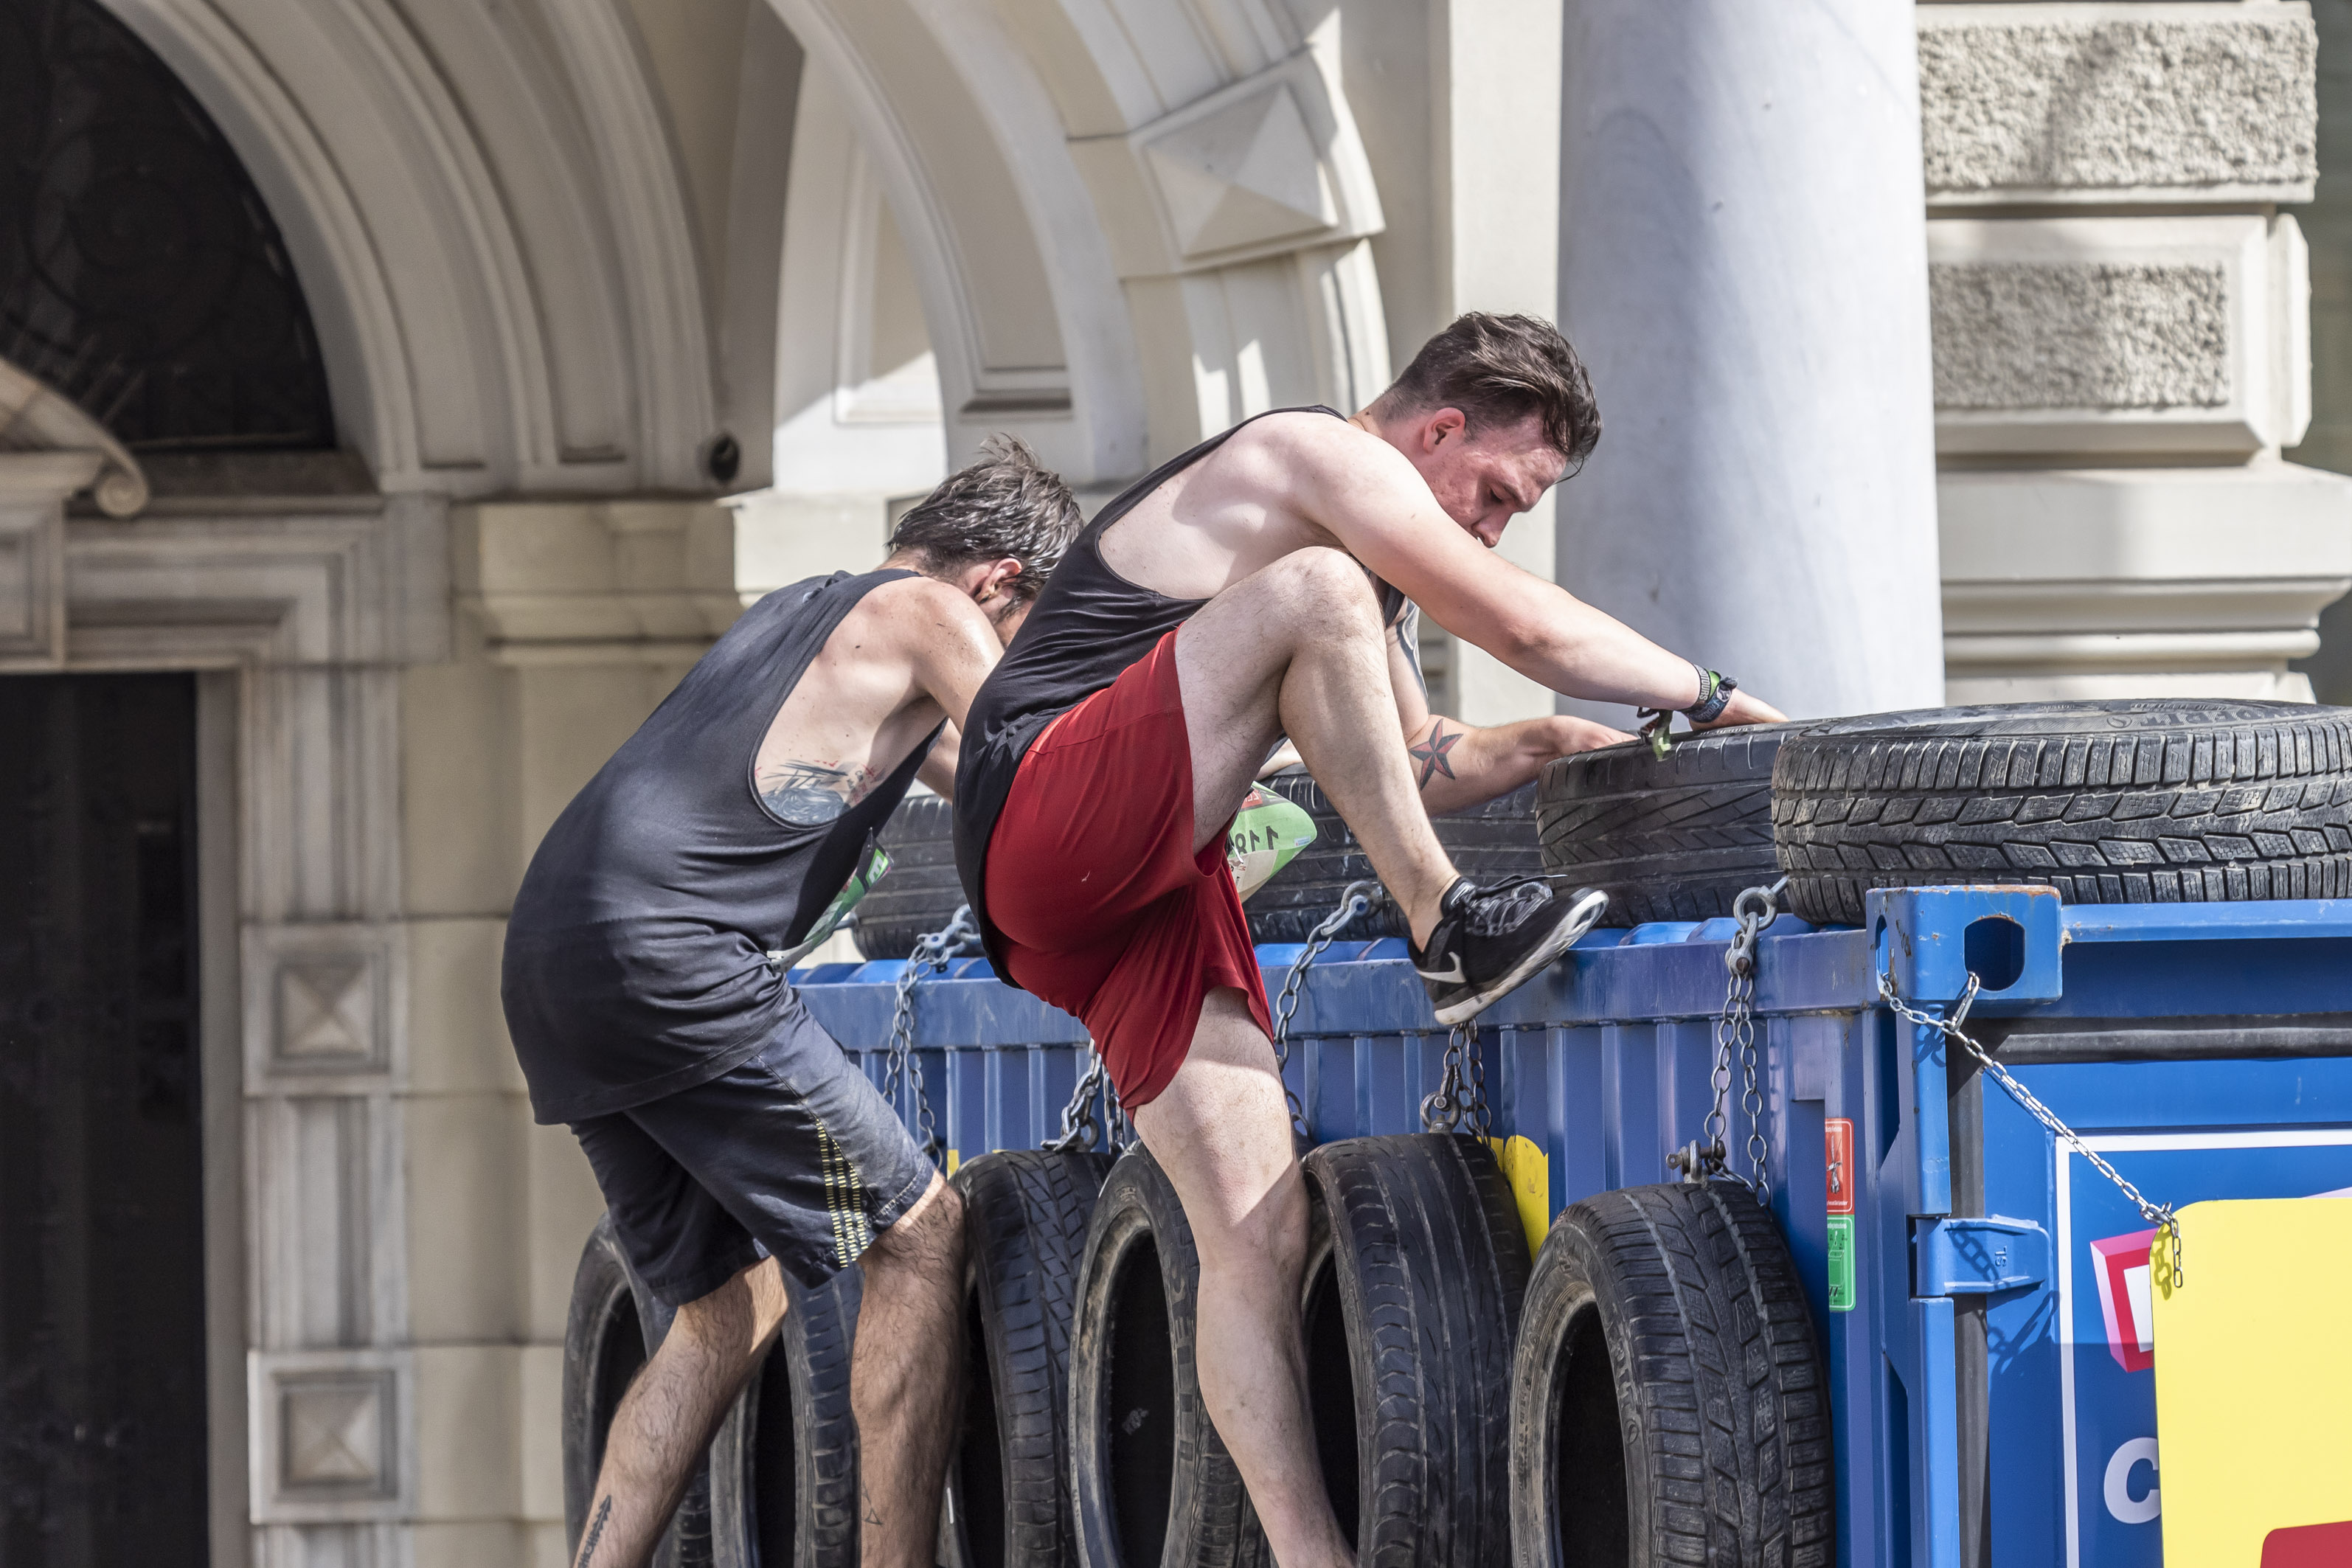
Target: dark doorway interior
[102,1405]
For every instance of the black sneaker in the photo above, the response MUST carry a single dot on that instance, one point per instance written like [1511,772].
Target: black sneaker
[1489,941]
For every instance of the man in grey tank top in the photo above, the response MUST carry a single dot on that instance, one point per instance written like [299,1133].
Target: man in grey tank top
[645,993]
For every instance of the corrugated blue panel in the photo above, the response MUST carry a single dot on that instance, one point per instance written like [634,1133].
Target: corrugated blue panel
[2231,1029]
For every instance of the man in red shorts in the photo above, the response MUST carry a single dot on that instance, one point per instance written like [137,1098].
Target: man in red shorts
[1253,588]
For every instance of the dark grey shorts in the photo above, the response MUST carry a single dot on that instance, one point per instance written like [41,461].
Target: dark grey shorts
[790,1154]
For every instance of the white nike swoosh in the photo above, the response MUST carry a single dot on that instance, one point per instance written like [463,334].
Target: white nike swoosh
[1432,976]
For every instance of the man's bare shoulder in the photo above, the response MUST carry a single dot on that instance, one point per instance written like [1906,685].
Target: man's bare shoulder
[909,612]
[1308,456]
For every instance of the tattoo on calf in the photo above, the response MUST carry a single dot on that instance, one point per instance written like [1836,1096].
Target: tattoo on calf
[1431,754]
[810,794]
[595,1531]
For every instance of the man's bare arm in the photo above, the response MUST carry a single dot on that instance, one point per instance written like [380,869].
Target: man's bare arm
[938,769]
[1458,765]
[1367,495]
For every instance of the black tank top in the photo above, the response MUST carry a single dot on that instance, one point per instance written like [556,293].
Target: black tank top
[638,955]
[1088,624]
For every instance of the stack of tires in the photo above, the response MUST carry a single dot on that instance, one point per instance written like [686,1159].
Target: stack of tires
[1652,1390]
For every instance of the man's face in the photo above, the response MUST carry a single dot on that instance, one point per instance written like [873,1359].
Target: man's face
[1483,478]
[1006,614]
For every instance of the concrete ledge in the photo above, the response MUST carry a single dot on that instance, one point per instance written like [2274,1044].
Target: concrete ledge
[2138,582]
[2118,102]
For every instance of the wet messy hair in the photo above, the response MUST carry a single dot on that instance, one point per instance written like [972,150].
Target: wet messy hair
[1005,503]
[1498,370]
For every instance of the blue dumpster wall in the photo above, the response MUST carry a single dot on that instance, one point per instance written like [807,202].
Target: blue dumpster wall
[2212,1057]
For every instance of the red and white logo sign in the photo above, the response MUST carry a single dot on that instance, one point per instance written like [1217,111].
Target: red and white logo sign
[2126,1300]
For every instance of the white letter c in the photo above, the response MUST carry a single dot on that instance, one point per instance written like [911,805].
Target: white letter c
[2127,1508]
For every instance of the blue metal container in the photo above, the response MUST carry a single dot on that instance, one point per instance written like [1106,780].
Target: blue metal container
[1991,1392]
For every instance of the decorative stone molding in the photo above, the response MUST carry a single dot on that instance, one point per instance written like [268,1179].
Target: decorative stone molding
[34,415]
[335,583]
[335,1436]
[33,489]
[2132,581]
[554,583]
[324,1007]
[2113,103]
[2183,334]
[1265,166]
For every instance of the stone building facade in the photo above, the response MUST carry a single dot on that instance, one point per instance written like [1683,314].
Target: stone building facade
[1957,353]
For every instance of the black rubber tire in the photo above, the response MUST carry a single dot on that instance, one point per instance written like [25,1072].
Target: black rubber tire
[1153,1486]
[783,1466]
[1669,1402]
[919,893]
[612,1329]
[1668,838]
[1025,1217]
[2178,801]
[1487,842]
[1413,1288]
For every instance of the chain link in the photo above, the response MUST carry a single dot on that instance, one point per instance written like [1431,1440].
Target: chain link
[1459,1102]
[1080,1131]
[2159,1216]
[1356,899]
[1709,1155]
[959,938]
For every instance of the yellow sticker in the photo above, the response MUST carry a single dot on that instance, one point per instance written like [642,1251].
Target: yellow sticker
[1529,1173]
[954,1160]
[2253,1383]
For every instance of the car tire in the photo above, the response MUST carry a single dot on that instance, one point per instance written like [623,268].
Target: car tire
[1669,1402]
[1675,837]
[784,1467]
[2175,801]
[1413,1286]
[1486,842]
[1152,1484]
[1025,1217]
[613,1326]
[922,891]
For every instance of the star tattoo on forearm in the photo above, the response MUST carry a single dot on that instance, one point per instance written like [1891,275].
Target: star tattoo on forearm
[1431,754]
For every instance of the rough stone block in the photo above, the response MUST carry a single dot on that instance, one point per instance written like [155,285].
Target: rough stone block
[2093,334]
[2116,102]
[2139,334]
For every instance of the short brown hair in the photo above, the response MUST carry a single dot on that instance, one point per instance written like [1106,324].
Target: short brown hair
[1003,504]
[1499,369]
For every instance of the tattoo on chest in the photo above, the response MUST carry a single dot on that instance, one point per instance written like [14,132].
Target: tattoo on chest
[810,794]
[1431,754]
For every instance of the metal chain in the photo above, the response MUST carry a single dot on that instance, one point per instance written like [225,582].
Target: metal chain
[2159,1216]
[1355,900]
[1080,1131]
[1709,1155]
[932,955]
[1459,1101]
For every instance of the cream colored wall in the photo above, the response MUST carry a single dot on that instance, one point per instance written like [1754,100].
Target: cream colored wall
[574,620]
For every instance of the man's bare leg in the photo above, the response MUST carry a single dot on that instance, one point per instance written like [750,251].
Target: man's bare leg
[673,1406]
[908,1365]
[1299,648]
[1221,1132]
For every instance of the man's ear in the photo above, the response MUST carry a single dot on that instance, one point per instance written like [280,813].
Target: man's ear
[995,580]
[1443,425]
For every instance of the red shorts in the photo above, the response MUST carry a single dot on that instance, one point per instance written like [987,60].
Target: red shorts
[1105,909]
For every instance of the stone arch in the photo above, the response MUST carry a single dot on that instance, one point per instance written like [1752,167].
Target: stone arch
[1135,223]
[504,283]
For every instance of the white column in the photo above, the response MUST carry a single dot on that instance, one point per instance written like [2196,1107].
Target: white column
[1743,269]
[1498,181]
